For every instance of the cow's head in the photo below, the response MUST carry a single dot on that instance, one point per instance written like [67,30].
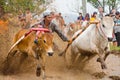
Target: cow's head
[107,27]
[45,42]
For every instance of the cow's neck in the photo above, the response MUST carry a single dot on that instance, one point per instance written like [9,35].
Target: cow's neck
[101,32]
[100,38]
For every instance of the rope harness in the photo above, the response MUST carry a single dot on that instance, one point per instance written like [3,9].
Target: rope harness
[38,30]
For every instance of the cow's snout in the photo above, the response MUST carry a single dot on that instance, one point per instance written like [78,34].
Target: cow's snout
[110,39]
[50,53]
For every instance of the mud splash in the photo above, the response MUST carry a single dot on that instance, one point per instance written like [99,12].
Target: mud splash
[55,65]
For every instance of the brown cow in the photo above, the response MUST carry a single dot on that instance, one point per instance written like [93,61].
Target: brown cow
[37,50]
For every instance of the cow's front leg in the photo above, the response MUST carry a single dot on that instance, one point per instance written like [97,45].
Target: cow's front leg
[43,66]
[35,54]
[38,70]
[105,56]
[101,60]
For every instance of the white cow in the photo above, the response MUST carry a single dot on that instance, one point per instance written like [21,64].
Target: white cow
[93,41]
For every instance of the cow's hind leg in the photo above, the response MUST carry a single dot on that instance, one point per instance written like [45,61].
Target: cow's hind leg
[89,58]
[71,58]
[79,61]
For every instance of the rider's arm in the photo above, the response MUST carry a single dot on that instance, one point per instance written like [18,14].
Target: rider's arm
[59,32]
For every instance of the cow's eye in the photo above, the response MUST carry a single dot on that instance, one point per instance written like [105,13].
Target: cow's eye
[44,41]
[103,25]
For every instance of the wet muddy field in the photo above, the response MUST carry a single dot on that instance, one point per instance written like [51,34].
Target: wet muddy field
[55,65]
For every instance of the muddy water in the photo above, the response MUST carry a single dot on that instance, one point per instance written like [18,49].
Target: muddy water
[56,67]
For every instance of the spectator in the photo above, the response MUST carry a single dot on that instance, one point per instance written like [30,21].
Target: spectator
[86,21]
[53,15]
[87,17]
[58,20]
[113,11]
[80,17]
[94,16]
[60,15]
[28,17]
[21,15]
[117,28]
[62,22]
[21,18]
[101,13]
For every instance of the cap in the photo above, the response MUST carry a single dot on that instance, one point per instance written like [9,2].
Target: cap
[46,14]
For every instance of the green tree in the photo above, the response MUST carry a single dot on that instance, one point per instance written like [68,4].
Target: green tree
[2,3]
[113,4]
[95,3]
[102,3]
[13,6]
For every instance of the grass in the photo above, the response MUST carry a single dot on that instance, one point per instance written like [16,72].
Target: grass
[114,48]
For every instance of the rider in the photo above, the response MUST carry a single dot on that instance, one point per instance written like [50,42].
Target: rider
[47,23]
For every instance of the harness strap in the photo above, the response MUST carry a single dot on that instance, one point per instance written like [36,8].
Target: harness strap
[37,29]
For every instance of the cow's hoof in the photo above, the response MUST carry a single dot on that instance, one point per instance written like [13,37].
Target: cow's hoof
[38,71]
[104,66]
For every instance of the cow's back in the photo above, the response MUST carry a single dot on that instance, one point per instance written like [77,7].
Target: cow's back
[26,42]
[84,40]
[19,34]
